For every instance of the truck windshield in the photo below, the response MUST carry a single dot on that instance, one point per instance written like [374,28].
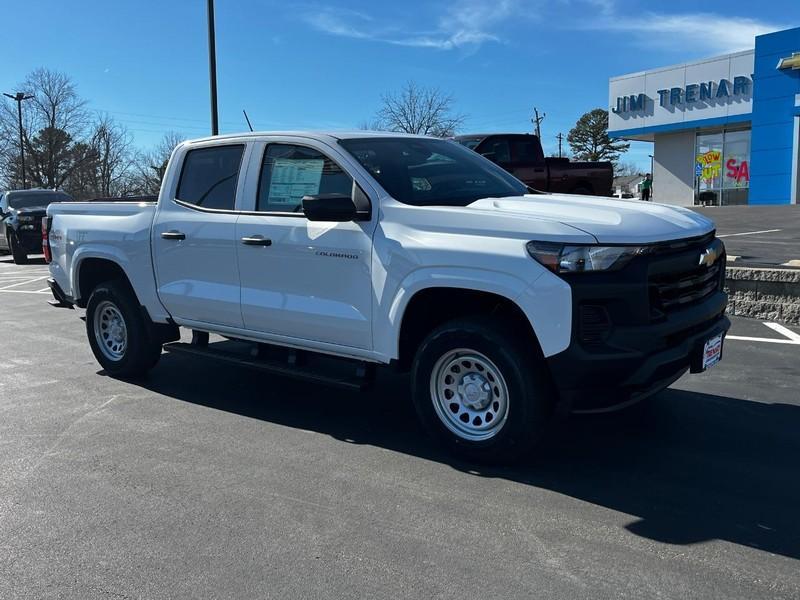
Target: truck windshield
[34,200]
[431,172]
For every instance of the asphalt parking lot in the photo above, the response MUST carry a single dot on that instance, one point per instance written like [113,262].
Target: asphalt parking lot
[207,480]
[764,236]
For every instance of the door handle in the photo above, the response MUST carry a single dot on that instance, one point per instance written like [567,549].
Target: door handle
[173,235]
[256,240]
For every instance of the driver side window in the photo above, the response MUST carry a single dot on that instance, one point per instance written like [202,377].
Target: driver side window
[289,172]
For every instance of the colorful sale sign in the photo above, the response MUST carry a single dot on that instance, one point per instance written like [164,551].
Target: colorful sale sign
[738,171]
[711,164]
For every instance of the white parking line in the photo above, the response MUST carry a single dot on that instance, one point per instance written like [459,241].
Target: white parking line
[790,336]
[34,280]
[784,331]
[749,233]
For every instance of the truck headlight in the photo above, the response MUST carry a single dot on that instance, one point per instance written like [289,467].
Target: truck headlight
[565,258]
[26,219]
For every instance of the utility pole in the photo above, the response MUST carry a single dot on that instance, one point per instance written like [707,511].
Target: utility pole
[560,138]
[18,98]
[537,122]
[212,68]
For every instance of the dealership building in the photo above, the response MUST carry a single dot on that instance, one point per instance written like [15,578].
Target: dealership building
[725,130]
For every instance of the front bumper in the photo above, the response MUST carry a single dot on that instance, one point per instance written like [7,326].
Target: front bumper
[30,240]
[655,357]
[638,330]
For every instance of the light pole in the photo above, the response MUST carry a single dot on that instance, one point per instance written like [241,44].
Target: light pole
[212,68]
[18,98]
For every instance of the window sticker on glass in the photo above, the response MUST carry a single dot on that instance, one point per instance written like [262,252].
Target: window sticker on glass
[294,178]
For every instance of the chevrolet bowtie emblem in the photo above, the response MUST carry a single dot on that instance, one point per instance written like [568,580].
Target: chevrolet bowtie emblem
[790,62]
[709,256]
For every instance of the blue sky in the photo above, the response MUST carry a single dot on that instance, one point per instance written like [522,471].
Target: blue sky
[299,65]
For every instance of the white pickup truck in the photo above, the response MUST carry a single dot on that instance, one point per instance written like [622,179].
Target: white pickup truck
[329,254]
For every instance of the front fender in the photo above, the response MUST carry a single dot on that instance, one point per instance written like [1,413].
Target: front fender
[545,300]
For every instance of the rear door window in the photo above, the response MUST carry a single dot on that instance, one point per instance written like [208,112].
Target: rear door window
[210,175]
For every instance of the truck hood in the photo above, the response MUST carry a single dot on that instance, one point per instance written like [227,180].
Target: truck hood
[608,220]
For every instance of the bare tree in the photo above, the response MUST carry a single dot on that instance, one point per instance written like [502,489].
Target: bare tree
[370,125]
[55,102]
[150,166]
[112,145]
[10,175]
[55,121]
[420,110]
[625,169]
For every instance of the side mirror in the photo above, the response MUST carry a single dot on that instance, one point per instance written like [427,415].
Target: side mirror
[330,207]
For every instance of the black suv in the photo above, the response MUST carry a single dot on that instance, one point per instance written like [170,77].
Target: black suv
[21,212]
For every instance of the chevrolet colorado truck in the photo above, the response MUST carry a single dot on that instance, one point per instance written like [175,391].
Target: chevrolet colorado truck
[21,213]
[521,154]
[324,255]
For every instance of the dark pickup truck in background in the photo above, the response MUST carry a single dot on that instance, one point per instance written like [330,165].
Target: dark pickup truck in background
[521,155]
[21,213]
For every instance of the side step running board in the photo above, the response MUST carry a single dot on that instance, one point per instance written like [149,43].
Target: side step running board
[358,381]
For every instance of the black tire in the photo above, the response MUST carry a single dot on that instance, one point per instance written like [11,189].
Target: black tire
[142,348]
[19,254]
[529,393]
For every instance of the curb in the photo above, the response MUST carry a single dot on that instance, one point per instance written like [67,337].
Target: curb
[763,293]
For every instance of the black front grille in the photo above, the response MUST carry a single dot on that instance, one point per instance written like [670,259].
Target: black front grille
[671,291]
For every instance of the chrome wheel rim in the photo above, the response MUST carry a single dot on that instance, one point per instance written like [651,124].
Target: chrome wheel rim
[469,394]
[110,331]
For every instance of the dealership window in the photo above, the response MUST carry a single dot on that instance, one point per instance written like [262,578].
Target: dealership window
[722,168]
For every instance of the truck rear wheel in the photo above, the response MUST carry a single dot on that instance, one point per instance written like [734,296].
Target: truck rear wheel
[478,389]
[118,333]
[17,252]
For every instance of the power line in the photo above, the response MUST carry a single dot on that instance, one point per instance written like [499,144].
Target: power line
[164,125]
[163,117]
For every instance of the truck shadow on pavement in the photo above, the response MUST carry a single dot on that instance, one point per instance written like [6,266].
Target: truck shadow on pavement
[688,467]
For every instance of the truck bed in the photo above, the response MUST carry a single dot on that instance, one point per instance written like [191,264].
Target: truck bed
[119,231]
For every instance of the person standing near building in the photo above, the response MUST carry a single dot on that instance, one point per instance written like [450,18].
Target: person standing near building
[647,187]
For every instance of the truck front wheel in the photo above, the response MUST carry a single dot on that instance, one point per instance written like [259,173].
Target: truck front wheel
[478,389]
[119,335]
